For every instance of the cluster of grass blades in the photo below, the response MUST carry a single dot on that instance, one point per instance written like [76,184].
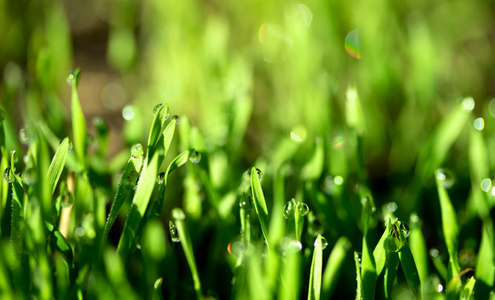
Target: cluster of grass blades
[68,234]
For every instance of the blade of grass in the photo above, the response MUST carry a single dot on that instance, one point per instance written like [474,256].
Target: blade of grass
[334,266]
[409,267]
[380,253]
[450,227]
[157,290]
[359,281]
[485,268]
[468,289]
[259,203]
[390,273]
[314,167]
[138,208]
[479,170]
[314,290]
[180,222]
[418,247]
[58,163]
[79,127]
[160,112]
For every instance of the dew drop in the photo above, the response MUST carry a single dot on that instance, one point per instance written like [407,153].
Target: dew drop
[468,104]
[137,150]
[160,178]
[23,136]
[260,174]
[194,157]
[302,209]
[338,180]
[298,134]
[70,79]
[405,229]
[156,108]
[445,177]
[166,117]
[14,156]
[79,232]
[392,206]
[67,199]
[8,175]
[290,209]
[338,142]
[351,44]
[479,123]
[174,235]
[486,184]
[176,119]
[2,115]
[434,252]
[324,242]
[128,112]
[415,218]
[439,288]
[25,159]
[30,176]
[178,214]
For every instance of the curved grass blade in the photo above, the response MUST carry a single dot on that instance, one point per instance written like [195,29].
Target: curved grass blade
[450,228]
[138,208]
[316,270]
[79,127]
[390,273]
[468,289]
[157,290]
[58,163]
[380,253]
[485,268]
[368,271]
[63,246]
[334,266]
[180,222]
[314,167]
[409,268]
[160,113]
[260,203]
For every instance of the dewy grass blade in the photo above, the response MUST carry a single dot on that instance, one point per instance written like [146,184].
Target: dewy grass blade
[160,112]
[180,222]
[314,289]
[79,127]
[479,171]
[138,208]
[259,203]
[58,163]
[449,225]
[359,281]
[334,266]
[485,268]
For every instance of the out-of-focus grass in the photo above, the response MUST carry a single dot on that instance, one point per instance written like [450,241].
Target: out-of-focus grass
[335,102]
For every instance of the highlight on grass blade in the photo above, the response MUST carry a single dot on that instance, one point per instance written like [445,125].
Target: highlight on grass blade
[259,202]
[315,275]
[79,128]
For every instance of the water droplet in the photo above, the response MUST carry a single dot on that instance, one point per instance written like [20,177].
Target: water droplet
[23,136]
[338,142]
[398,232]
[302,209]
[479,123]
[290,209]
[67,198]
[486,184]
[368,204]
[289,245]
[338,180]
[174,235]
[305,13]
[178,214]
[14,156]
[128,112]
[298,134]
[2,115]
[229,248]
[415,218]
[439,288]
[405,229]
[160,178]
[156,108]
[137,150]
[392,206]
[445,177]
[468,104]
[176,119]
[324,242]
[194,157]
[30,176]
[70,79]
[243,202]
[166,117]
[79,231]
[351,44]
[260,174]
[434,252]
[8,175]
[70,147]
[26,159]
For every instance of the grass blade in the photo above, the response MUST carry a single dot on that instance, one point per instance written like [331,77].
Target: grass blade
[359,281]
[390,273]
[58,163]
[314,167]
[160,111]
[409,268]
[316,269]
[485,268]
[334,266]
[138,208]
[157,291]
[259,203]
[79,127]
[418,247]
[179,219]
[380,253]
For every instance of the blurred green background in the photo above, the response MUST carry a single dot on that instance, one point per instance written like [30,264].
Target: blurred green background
[247,73]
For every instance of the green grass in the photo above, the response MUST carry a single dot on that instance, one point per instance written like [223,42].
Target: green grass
[282,166]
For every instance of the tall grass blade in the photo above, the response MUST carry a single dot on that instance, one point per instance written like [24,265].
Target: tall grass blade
[58,163]
[485,264]
[409,268]
[79,128]
[316,270]
[260,203]
[334,265]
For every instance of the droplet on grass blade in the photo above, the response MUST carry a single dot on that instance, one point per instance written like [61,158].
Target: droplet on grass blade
[137,150]
[160,178]
[351,44]
[392,206]
[486,184]
[260,174]
[67,198]
[290,209]
[176,119]
[445,177]
[302,209]
[479,123]
[468,104]
[174,235]
[14,156]
[128,112]
[338,142]
[157,107]
[298,134]
[434,252]
[195,157]
[178,214]
[70,147]
[324,242]
[8,175]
